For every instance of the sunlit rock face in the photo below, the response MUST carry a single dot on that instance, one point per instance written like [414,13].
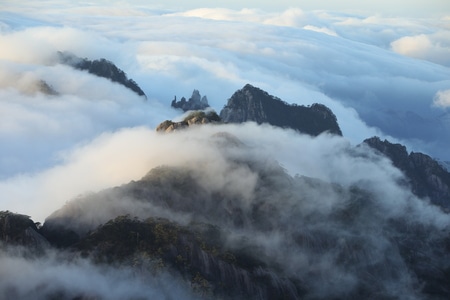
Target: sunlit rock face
[194,118]
[253,104]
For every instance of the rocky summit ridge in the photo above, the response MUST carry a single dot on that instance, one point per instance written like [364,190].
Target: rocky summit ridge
[253,104]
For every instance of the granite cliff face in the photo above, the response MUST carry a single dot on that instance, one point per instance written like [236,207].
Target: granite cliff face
[17,229]
[253,104]
[102,68]
[426,176]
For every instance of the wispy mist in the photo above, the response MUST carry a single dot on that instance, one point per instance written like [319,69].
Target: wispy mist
[57,275]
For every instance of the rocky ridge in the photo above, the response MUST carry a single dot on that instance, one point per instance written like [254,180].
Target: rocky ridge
[427,178]
[102,68]
[253,104]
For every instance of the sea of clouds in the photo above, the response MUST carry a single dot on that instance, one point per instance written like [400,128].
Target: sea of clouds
[380,75]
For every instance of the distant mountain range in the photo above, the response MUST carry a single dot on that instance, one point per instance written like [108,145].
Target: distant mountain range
[281,241]
[426,177]
[251,104]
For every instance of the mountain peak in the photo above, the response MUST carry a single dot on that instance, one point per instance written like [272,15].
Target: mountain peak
[254,104]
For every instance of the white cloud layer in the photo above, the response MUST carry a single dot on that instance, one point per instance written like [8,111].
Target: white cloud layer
[433,47]
[352,69]
[442,99]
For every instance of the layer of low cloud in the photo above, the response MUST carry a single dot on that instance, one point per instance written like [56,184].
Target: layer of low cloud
[351,69]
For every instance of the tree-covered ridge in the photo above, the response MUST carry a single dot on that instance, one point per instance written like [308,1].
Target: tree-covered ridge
[196,252]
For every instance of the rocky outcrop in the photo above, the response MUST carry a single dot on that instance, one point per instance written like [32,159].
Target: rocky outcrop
[253,104]
[196,102]
[101,68]
[194,118]
[426,176]
[17,229]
